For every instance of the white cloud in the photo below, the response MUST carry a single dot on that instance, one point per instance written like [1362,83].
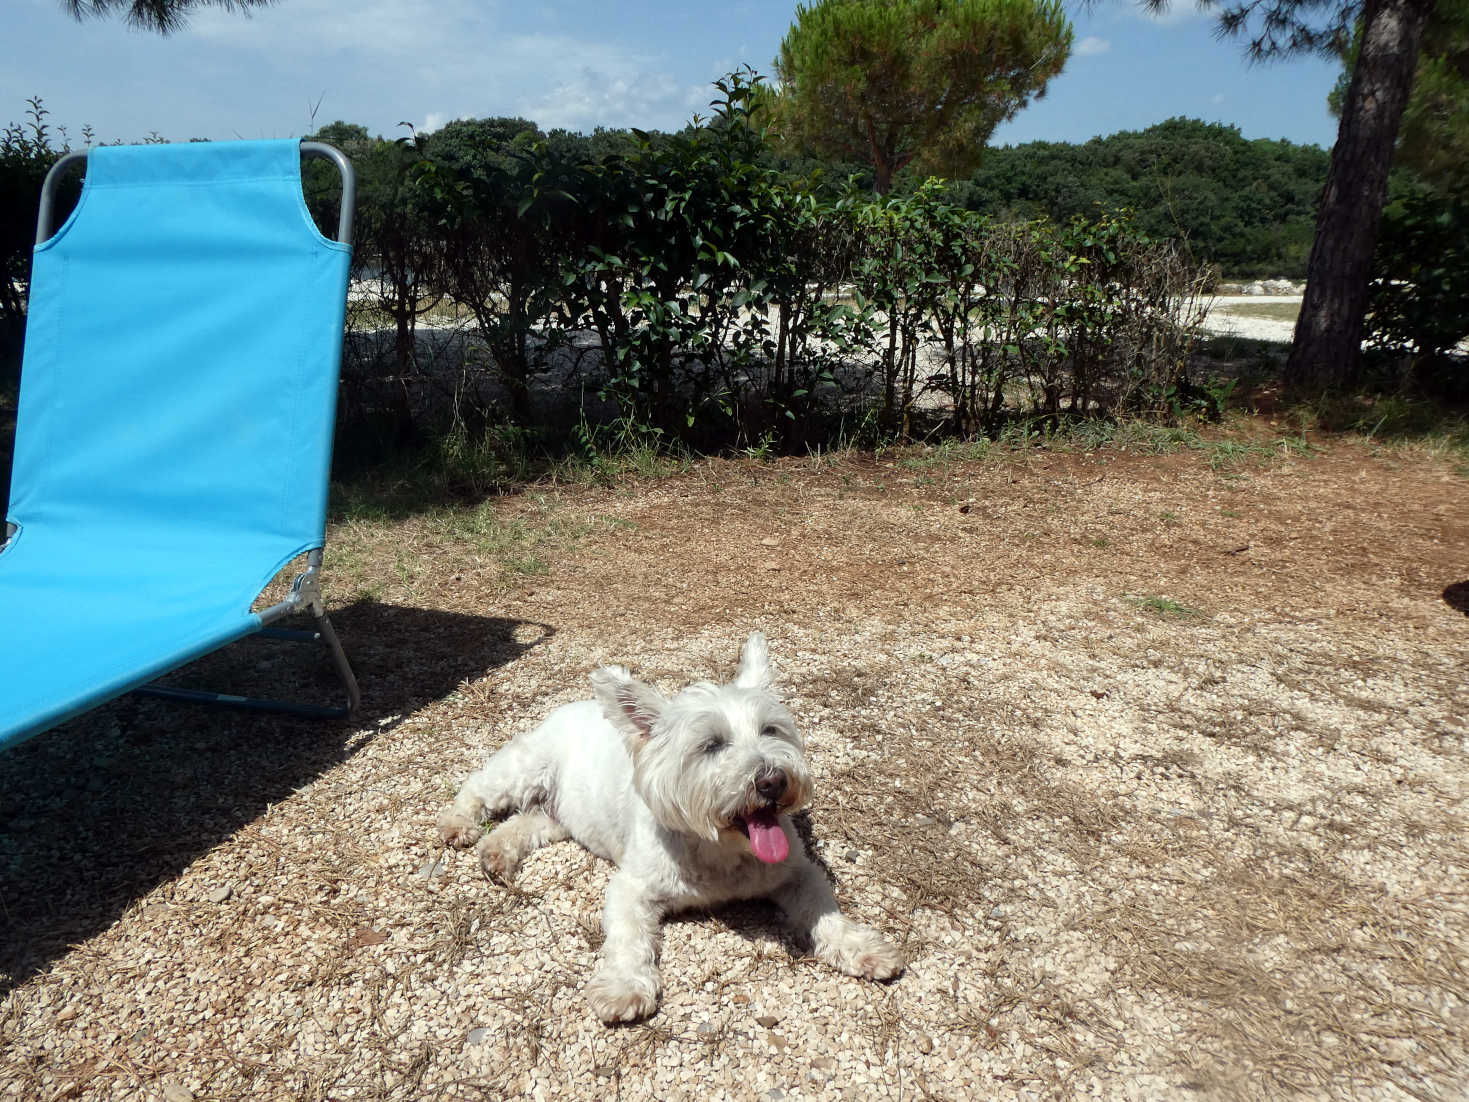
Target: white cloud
[437,120]
[615,95]
[1090,46]
[405,58]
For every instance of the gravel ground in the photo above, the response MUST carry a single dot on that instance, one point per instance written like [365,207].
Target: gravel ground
[1223,322]
[1154,765]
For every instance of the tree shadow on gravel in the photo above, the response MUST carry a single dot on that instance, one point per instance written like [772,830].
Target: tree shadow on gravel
[100,811]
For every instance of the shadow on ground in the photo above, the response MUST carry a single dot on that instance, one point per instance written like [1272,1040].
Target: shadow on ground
[98,812]
[1457,596]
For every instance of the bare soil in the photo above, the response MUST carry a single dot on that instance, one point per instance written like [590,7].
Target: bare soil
[1156,766]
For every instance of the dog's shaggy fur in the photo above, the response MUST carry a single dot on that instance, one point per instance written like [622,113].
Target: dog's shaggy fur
[690,797]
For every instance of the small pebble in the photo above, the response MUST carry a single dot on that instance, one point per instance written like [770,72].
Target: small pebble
[221,893]
[434,868]
[768,1021]
[477,1036]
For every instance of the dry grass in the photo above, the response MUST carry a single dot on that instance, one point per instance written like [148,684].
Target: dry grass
[1269,311]
[1154,764]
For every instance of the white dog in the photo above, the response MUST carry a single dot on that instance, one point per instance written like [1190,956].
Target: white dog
[690,797]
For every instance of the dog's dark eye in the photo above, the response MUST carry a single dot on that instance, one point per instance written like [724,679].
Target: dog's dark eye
[770,730]
[712,745]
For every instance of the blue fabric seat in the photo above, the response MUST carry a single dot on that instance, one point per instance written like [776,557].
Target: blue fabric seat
[173,440]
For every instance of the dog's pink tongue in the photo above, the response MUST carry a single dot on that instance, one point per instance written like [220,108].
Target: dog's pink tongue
[767,839]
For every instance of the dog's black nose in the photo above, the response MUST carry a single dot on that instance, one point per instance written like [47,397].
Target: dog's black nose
[771,785]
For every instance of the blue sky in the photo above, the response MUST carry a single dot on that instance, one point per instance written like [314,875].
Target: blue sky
[573,63]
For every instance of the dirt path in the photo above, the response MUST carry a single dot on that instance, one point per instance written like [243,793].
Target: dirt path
[1156,767]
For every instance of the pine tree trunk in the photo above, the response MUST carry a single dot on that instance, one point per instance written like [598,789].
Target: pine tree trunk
[1327,351]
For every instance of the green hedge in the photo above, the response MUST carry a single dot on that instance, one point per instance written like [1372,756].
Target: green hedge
[689,288]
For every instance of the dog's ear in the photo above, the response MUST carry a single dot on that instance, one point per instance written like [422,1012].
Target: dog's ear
[754,671]
[630,705]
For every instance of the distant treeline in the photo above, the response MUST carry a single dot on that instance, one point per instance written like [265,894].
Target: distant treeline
[1247,206]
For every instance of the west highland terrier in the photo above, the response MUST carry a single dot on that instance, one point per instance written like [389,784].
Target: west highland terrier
[691,798]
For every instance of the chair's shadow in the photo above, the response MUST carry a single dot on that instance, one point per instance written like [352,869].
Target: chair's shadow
[98,812]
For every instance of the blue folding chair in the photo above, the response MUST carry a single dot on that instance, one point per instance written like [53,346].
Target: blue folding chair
[173,438]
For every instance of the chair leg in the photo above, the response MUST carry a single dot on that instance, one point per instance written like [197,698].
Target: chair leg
[324,633]
[339,659]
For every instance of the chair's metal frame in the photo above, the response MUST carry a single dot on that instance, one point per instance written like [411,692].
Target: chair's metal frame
[305,594]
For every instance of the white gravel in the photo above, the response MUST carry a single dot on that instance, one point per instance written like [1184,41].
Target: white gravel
[1224,323]
[1155,767]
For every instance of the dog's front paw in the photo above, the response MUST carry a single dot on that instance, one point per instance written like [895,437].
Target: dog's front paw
[458,829]
[497,860]
[622,997]
[863,952]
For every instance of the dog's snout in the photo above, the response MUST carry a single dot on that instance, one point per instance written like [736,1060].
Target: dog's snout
[771,784]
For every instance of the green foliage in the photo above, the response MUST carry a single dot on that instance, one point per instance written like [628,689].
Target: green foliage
[1247,206]
[1165,607]
[27,152]
[705,278]
[1086,317]
[501,208]
[921,82]
[1420,286]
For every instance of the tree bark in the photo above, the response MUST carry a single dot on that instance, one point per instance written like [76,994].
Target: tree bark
[1326,353]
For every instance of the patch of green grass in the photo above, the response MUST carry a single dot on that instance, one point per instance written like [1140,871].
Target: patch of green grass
[1231,453]
[1138,434]
[1227,454]
[466,466]
[527,565]
[1085,434]
[947,451]
[459,466]
[611,467]
[519,537]
[1166,607]
[1392,419]
[348,562]
[606,454]
[514,542]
